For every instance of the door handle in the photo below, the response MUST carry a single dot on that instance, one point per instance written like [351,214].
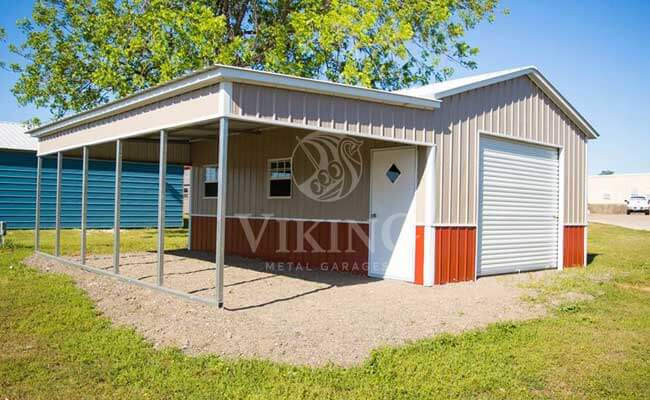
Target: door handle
[373,215]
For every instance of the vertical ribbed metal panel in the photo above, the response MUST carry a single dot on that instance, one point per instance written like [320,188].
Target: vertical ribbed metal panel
[307,110]
[455,254]
[248,179]
[574,246]
[185,108]
[519,207]
[139,151]
[139,193]
[517,109]
[18,189]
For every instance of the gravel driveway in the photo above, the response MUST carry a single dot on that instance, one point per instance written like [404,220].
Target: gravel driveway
[300,317]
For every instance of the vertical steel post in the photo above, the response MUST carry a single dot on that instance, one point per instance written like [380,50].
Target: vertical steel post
[57,218]
[190,199]
[221,207]
[37,217]
[162,187]
[118,195]
[585,204]
[84,202]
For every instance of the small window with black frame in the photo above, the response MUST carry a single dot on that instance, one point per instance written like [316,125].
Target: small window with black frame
[210,181]
[280,178]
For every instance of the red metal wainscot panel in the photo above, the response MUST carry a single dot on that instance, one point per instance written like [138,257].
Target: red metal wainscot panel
[203,233]
[574,246]
[350,250]
[419,255]
[455,254]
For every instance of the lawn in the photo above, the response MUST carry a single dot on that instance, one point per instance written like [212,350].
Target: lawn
[55,345]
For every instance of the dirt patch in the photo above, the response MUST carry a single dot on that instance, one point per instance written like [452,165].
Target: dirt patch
[300,317]
[569,298]
[634,287]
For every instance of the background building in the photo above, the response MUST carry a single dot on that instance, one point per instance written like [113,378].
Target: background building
[139,190]
[607,193]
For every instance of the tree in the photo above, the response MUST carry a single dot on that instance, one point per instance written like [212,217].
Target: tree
[606,172]
[79,54]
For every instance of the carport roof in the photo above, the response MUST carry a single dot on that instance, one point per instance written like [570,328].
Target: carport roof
[221,73]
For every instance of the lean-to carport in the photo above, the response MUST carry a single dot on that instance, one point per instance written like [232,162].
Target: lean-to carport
[218,102]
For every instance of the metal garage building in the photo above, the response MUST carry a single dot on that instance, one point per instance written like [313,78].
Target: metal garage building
[437,184]
[140,191]
[511,174]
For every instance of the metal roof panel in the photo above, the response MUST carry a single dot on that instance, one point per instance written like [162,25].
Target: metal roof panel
[13,137]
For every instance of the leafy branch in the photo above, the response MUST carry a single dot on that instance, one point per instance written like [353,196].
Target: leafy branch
[78,54]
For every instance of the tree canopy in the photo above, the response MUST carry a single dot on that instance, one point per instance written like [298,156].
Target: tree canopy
[78,54]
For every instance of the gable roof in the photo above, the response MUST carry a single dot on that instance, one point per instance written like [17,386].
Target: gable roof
[12,137]
[440,90]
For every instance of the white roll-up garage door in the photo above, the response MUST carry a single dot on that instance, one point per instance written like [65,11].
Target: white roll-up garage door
[519,206]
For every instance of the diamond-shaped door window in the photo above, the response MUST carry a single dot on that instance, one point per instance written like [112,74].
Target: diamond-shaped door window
[393,173]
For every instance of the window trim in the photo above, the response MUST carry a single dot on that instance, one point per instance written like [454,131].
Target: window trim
[269,178]
[204,180]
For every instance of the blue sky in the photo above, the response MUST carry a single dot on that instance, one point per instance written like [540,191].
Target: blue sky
[595,53]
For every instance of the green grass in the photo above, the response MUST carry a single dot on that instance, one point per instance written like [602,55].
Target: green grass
[55,345]
[99,241]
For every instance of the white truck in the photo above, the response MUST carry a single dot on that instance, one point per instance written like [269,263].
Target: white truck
[638,203]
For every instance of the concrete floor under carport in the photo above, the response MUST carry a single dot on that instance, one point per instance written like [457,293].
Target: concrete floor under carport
[302,316]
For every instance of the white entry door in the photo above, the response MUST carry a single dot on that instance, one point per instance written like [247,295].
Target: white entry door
[392,213]
[519,207]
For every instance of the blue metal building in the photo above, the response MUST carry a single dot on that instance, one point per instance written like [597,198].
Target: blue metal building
[139,189]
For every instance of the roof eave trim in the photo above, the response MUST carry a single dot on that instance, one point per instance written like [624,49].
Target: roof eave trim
[245,75]
[139,99]
[216,74]
[541,81]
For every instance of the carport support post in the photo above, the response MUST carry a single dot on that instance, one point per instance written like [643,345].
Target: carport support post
[221,207]
[118,195]
[57,211]
[37,217]
[190,199]
[162,179]
[84,202]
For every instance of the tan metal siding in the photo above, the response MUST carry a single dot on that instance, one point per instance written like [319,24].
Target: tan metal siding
[248,185]
[518,109]
[143,151]
[304,110]
[198,105]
